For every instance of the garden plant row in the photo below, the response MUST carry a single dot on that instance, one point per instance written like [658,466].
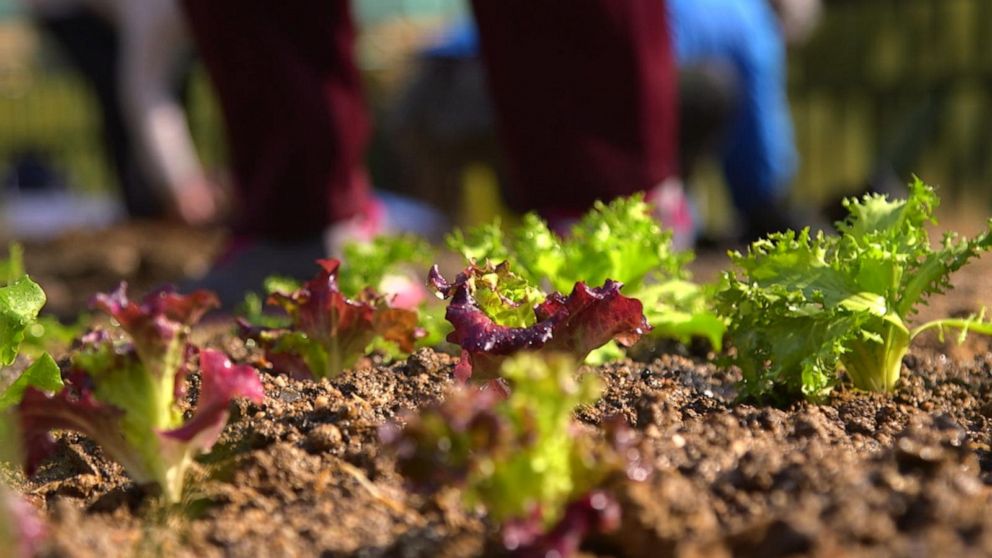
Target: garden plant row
[800,314]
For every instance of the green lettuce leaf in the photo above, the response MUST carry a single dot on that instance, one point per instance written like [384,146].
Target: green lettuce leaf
[803,307]
[43,374]
[620,241]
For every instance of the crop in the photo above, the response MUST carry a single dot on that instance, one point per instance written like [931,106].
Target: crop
[328,332]
[123,389]
[521,458]
[496,313]
[21,299]
[620,241]
[801,306]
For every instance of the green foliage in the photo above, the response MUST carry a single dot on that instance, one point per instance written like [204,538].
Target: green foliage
[49,335]
[369,264]
[619,241]
[252,308]
[12,268]
[518,456]
[21,299]
[43,374]
[20,303]
[545,466]
[506,297]
[801,306]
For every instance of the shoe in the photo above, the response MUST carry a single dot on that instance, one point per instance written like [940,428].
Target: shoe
[245,264]
[674,212]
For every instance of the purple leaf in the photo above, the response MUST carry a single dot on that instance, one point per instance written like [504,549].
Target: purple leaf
[330,332]
[585,320]
[74,408]
[220,382]
[123,394]
[158,324]
[440,445]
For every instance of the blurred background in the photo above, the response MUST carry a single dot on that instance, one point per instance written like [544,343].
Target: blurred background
[882,89]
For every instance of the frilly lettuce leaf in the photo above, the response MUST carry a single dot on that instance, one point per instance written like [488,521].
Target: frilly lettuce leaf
[43,374]
[20,302]
[620,241]
[802,307]
[585,320]
[123,393]
[520,455]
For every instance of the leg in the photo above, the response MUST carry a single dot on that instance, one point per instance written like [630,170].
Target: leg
[293,106]
[584,92]
[92,45]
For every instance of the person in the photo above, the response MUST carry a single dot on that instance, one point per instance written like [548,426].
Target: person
[584,98]
[130,53]
[733,101]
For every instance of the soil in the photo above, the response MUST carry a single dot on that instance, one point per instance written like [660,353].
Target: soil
[303,474]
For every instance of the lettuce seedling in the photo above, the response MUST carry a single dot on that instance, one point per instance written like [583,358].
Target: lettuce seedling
[520,457]
[124,394]
[21,299]
[620,241]
[496,313]
[20,302]
[329,332]
[802,306]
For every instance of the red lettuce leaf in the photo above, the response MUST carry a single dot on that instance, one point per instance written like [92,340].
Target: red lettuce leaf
[113,397]
[163,305]
[585,320]
[158,324]
[220,383]
[440,446]
[74,408]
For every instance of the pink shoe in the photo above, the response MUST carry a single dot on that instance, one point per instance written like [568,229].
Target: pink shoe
[673,211]
[360,228]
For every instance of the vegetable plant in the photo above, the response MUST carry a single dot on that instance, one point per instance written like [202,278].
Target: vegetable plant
[496,313]
[521,457]
[803,306]
[328,332]
[21,299]
[620,241]
[123,389]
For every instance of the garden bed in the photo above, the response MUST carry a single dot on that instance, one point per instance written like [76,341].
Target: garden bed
[304,472]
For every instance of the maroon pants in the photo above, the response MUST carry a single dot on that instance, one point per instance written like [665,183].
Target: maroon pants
[584,91]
